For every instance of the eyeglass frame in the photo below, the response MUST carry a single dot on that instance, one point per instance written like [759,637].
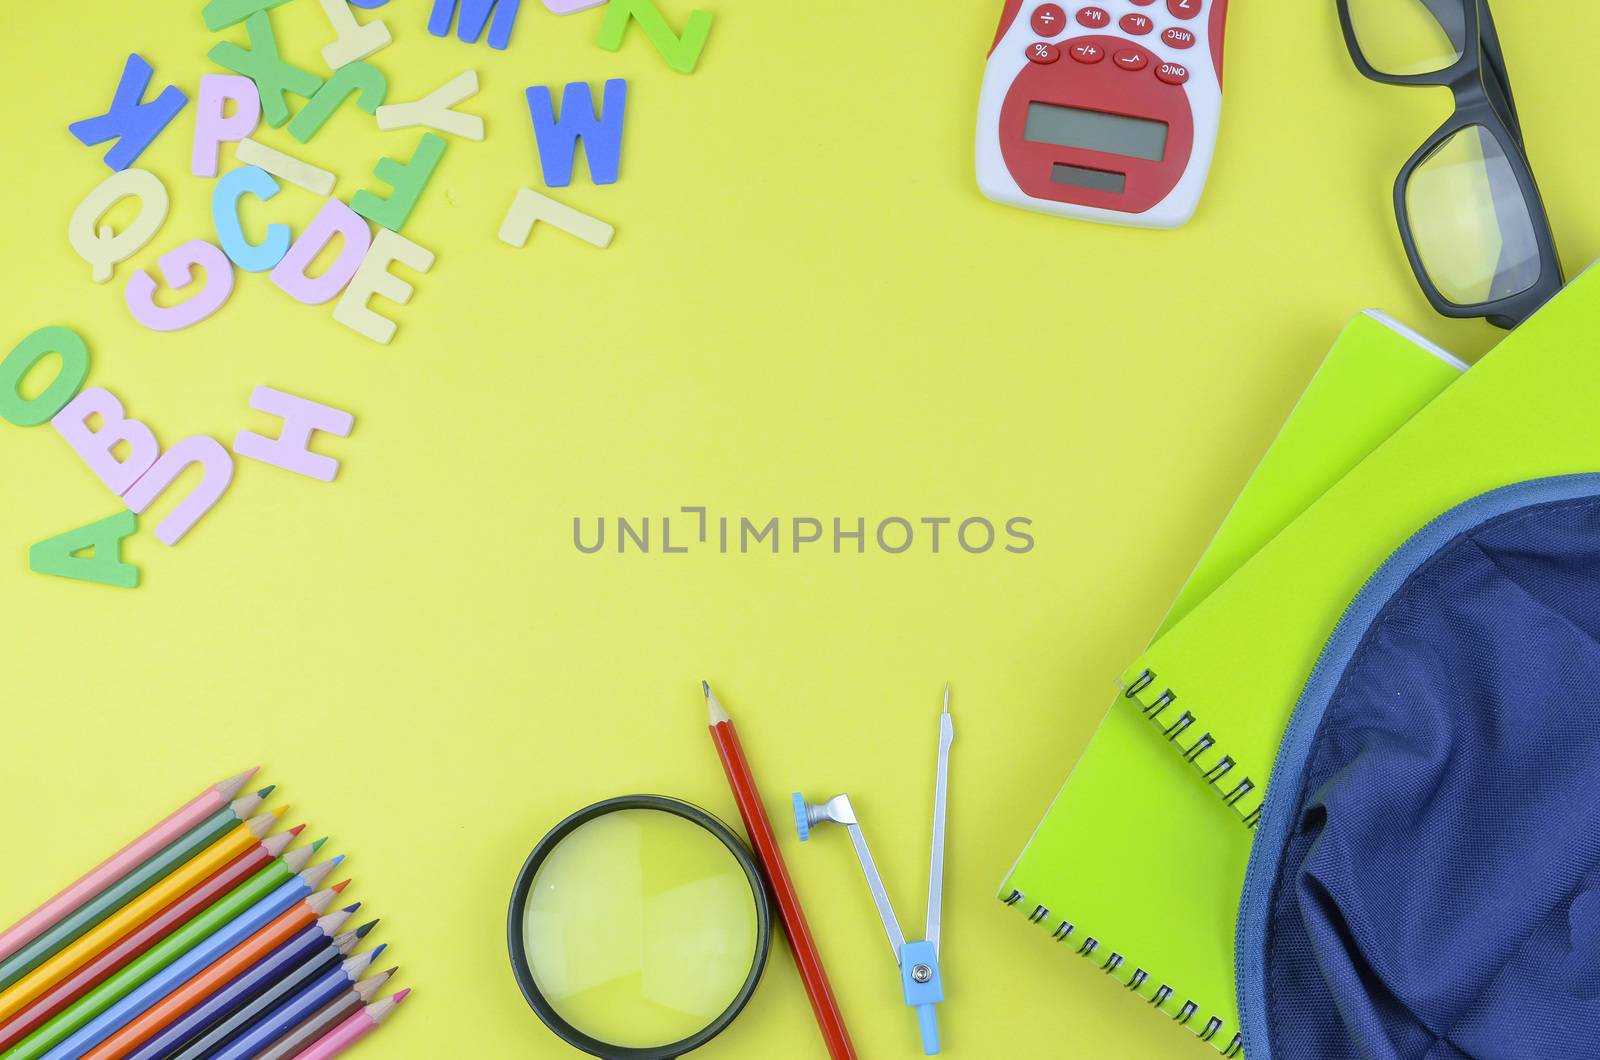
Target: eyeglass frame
[1478,81]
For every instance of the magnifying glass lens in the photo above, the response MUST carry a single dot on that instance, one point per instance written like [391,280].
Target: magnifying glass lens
[640,928]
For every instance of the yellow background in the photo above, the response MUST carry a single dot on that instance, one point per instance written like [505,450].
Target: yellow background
[808,310]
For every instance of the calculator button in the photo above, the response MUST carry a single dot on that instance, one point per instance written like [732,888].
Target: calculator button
[1136,25]
[1043,54]
[1143,3]
[1049,20]
[1094,17]
[1087,53]
[1129,59]
[1172,73]
[1184,8]
[1178,37]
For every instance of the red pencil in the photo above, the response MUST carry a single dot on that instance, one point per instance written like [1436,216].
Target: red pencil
[748,796]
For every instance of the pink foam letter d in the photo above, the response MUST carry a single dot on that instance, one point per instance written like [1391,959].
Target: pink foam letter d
[209,454]
[334,219]
[177,269]
[212,127]
[95,445]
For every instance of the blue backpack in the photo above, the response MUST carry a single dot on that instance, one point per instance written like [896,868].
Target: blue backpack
[1425,881]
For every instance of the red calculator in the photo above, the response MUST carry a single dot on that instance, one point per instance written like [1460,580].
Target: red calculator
[1106,111]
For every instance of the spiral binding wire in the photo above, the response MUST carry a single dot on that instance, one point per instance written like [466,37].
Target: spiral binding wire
[1216,769]
[1114,964]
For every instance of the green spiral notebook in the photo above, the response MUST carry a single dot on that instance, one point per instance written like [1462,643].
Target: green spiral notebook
[1133,867]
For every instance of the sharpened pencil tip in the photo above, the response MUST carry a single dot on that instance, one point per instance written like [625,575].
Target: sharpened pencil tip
[318,844]
[705,686]
[366,929]
[402,995]
[340,886]
[296,830]
[714,708]
[379,949]
[268,790]
[348,908]
[338,860]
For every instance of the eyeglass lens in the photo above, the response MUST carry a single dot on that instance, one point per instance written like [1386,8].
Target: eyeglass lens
[1402,37]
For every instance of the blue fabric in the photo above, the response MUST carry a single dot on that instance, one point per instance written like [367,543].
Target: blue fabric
[1425,882]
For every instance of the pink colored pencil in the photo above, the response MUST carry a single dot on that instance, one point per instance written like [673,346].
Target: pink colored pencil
[352,1030]
[122,862]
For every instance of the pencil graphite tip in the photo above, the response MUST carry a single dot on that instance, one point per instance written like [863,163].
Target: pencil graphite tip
[267,791]
[296,830]
[714,708]
[339,887]
[402,995]
[379,948]
[349,908]
[318,844]
[366,929]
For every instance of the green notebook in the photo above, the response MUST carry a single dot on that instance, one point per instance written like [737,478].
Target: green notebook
[1132,867]
[1233,668]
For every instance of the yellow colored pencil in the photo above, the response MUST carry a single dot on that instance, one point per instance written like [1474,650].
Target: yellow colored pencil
[187,876]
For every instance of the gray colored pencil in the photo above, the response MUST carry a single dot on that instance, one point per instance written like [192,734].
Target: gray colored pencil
[326,1019]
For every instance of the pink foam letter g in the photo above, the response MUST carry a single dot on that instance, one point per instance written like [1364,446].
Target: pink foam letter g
[291,449]
[95,445]
[212,127]
[177,269]
[334,219]
[218,465]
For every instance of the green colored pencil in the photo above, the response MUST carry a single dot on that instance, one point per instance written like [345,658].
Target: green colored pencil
[131,886]
[169,949]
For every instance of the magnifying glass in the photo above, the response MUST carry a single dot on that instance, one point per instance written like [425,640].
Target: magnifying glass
[639,928]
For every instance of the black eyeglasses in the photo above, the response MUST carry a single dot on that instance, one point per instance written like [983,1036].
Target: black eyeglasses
[1470,214]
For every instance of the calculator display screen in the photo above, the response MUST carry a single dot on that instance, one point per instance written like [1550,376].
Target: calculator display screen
[1094,130]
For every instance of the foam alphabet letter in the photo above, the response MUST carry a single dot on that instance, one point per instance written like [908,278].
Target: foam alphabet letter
[131,122]
[262,64]
[374,278]
[681,53]
[213,127]
[356,40]
[347,81]
[225,198]
[177,268]
[530,207]
[74,353]
[433,110]
[291,450]
[95,446]
[567,7]
[558,137]
[368,5]
[202,450]
[474,16]
[102,246]
[220,14]
[59,555]
[286,167]
[407,180]
[334,219]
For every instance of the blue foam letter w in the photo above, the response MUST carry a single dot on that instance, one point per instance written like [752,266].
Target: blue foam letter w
[474,16]
[558,137]
[130,121]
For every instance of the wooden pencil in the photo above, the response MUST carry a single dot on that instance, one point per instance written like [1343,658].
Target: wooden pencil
[177,994]
[326,1019]
[830,1021]
[140,941]
[309,999]
[124,861]
[119,894]
[162,893]
[355,1028]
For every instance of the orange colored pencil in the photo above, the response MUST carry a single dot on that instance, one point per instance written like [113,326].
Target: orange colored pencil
[217,975]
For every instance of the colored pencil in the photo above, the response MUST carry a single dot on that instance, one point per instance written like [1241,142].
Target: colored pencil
[756,823]
[306,1002]
[354,1029]
[225,822]
[173,995]
[326,1019]
[149,934]
[161,894]
[123,862]
[116,1001]
[306,956]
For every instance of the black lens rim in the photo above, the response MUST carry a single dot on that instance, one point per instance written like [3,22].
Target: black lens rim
[1474,105]
[521,969]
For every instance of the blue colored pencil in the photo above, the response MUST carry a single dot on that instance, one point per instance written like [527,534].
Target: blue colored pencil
[180,971]
[306,956]
[298,1008]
